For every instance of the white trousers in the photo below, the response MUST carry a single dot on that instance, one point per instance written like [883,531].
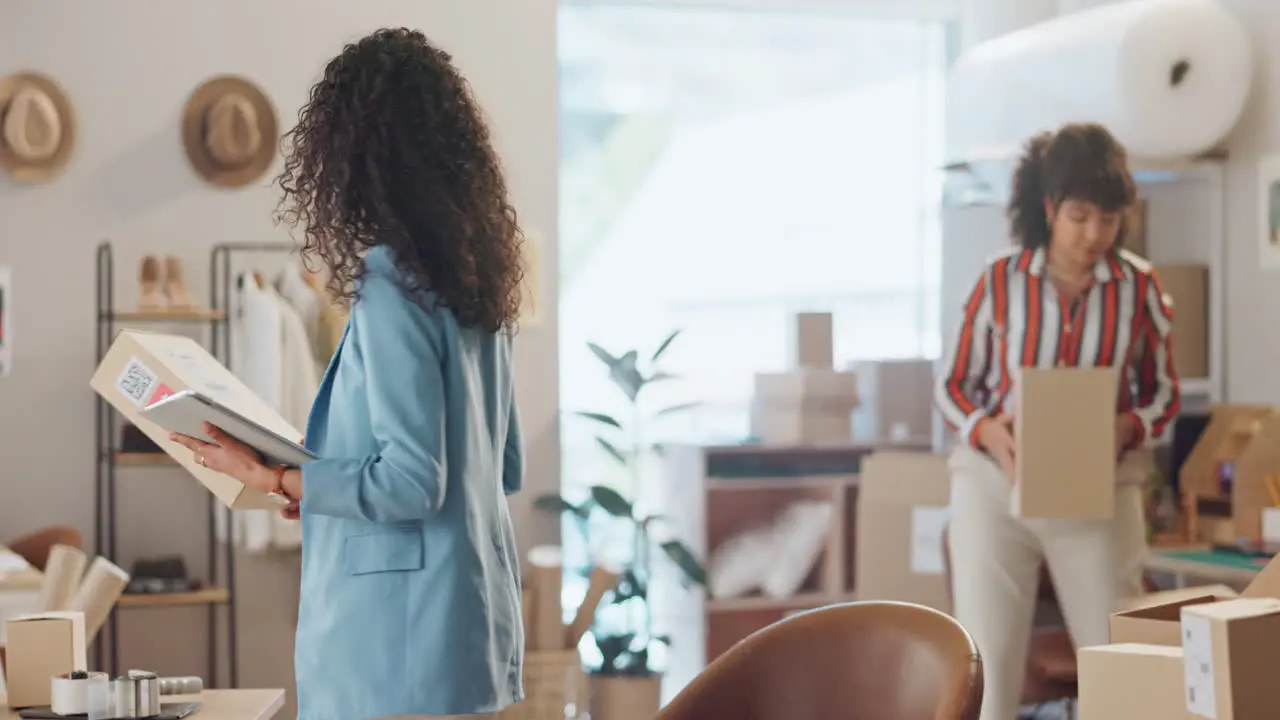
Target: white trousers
[996,560]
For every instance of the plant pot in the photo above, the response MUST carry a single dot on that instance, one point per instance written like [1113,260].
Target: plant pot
[625,697]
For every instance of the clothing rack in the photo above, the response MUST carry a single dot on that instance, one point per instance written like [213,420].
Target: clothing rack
[111,457]
[221,285]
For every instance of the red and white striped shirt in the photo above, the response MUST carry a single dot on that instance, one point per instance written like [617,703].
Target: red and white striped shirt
[1014,318]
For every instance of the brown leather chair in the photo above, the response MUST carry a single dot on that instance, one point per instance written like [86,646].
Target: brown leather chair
[35,547]
[855,661]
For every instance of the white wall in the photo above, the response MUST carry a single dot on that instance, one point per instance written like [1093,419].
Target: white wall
[128,67]
[1253,294]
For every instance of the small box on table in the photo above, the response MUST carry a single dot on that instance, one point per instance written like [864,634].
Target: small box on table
[37,647]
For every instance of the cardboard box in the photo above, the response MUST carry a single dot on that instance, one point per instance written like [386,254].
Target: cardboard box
[1135,235]
[1186,289]
[37,647]
[806,406]
[796,387]
[902,514]
[1154,619]
[1065,422]
[1158,624]
[895,401]
[812,341]
[803,426]
[1131,681]
[1229,650]
[141,368]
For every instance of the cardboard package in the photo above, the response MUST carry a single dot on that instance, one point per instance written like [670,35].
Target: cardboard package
[812,341]
[806,406]
[141,368]
[1131,681]
[1186,289]
[37,647]
[1154,619]
[895,401]
[902,513]
[1135,236]
[1064,425]
[1158,623]
[1229,653]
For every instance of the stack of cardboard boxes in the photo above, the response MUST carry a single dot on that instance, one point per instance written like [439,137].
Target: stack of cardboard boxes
[1189,654]
[811,404]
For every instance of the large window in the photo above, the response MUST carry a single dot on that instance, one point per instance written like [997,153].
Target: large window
[723,169]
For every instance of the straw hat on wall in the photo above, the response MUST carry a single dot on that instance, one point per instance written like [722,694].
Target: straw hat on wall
[230,131]
[37,127]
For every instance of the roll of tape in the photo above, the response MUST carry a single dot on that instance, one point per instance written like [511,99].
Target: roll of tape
[124,700]
[146,692]
[71,694]
[135,695]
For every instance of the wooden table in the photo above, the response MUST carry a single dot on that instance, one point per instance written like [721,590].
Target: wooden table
[1172,560]
[220,704]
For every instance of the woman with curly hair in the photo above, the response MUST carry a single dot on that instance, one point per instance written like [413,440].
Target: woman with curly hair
[410,600]
[1067,296]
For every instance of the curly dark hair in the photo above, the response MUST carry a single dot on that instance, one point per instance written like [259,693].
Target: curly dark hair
[1081,161]
[392,149]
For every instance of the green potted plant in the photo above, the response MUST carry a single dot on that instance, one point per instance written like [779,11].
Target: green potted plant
[625,684]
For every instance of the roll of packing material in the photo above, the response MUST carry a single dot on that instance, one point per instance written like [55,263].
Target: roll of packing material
[62,575]
[79,693]
[1169,78]
[102,586]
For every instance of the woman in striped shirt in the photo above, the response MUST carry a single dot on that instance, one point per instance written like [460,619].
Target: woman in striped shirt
[1066,296]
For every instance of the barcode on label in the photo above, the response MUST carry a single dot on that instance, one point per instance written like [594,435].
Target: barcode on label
[135,382]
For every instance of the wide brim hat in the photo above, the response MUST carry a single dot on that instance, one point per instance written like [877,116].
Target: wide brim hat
[230,131]
[37,127]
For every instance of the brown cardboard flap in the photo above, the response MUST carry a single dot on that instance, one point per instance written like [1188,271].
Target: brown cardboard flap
[1267,582]
[1165,597]
[1066,454]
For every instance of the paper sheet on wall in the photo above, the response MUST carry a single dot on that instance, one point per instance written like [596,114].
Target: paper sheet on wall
[927,526]
[1197,651]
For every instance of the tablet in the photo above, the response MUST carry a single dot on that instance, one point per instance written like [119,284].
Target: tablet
[186,413]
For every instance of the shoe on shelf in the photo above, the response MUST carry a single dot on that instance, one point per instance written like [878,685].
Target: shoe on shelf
[175,285]
[150,281]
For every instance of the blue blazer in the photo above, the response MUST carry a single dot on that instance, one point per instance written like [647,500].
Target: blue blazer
[410,601]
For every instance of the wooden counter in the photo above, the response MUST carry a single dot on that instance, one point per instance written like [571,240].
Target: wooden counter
[220,704]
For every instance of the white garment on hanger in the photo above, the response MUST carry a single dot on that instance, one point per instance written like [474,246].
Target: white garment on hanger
[298,387]
[303,298]
[272,354]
